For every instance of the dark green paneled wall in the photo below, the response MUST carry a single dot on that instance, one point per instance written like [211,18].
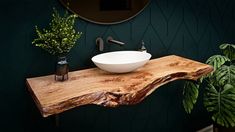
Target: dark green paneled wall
[190,28]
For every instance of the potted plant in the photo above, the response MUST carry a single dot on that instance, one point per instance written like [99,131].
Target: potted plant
[219,94]
[58,40]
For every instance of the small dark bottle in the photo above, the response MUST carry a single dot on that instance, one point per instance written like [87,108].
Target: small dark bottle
[62,69]
[143,48]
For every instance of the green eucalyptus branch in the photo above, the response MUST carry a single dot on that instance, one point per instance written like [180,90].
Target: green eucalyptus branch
[61,35]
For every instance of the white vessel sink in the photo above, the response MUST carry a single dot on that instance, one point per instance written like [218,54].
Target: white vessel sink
[121,61]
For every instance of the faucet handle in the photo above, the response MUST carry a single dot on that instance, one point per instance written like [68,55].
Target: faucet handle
[100,43]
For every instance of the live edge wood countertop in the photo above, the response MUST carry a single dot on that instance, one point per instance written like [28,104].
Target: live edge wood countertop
[94,86]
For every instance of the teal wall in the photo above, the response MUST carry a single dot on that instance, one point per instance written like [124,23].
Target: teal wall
[189,28]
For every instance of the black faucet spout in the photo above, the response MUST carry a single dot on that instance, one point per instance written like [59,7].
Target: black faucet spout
[111,40]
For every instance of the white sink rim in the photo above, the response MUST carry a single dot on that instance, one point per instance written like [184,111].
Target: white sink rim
[121,61]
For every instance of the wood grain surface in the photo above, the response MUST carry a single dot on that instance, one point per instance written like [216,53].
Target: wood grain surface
[94,86]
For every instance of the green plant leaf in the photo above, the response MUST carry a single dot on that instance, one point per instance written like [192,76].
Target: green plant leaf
[219,95]
[225,74]
[61,35]
[190,95]
[228,50]
[217,61]
[220,105]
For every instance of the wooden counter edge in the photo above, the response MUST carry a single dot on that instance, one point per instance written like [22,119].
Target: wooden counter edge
[108,99]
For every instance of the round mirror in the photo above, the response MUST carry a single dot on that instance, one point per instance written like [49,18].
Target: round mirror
[105,11]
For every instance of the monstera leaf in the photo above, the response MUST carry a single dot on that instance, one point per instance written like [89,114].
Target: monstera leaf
[219,94]
[190,93]
[221,103]
[228,50]
[225,74]
[217,61]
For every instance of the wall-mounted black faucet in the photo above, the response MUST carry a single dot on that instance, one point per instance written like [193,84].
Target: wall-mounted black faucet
[111,40]
[100,42]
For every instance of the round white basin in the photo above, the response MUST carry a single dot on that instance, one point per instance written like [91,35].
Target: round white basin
[121,61]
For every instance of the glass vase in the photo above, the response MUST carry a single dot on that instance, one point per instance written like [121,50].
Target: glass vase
[62,69]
